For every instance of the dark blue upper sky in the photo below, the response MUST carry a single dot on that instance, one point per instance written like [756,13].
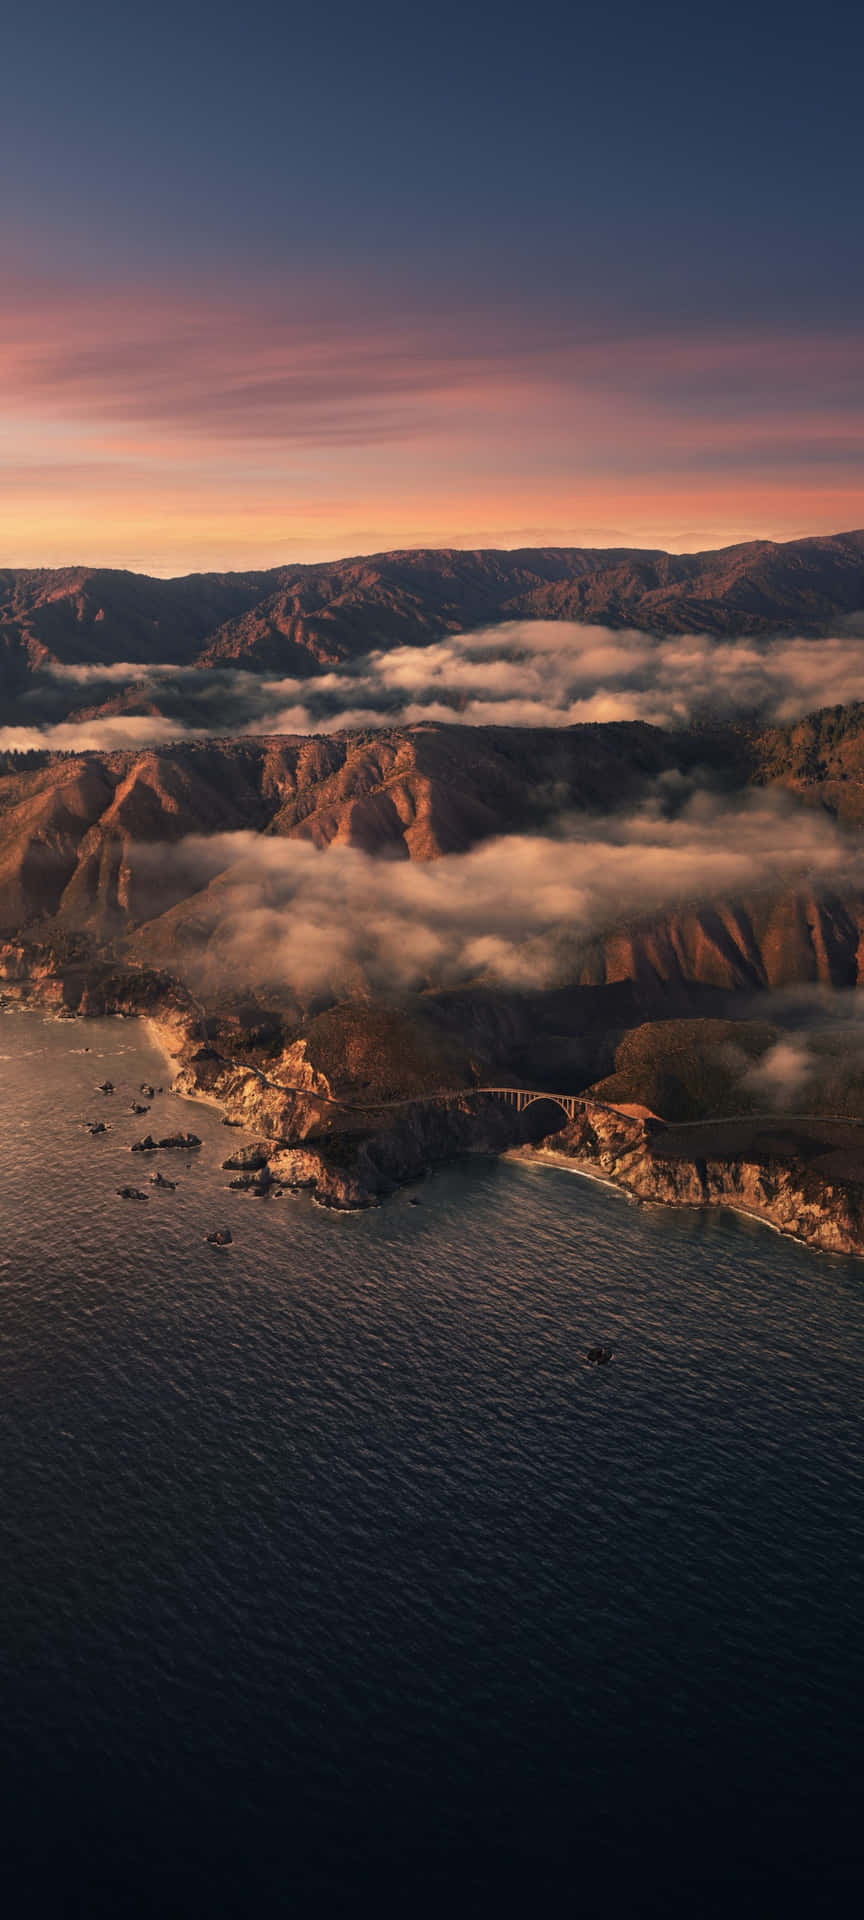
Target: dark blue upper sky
[283,281]
[665,153]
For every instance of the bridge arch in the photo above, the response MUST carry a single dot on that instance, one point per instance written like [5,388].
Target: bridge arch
[522,1097]
[561,1100]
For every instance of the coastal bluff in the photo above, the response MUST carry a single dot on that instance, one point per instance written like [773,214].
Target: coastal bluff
[803,1177]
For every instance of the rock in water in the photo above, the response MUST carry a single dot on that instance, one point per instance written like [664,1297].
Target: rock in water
[247,1159]
[259,1183]
[185,1141]
[598,1356]
[222,1237]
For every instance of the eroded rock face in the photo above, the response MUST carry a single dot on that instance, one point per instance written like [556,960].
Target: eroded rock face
[333,1186]
[351,1170]
[786,1191]
[250,1099]
[247,1159]
[295,1070]
[259,1183]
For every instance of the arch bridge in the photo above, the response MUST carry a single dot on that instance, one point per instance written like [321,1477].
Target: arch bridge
[522,1097]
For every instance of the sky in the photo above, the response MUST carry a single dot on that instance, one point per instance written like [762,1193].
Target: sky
[282,283]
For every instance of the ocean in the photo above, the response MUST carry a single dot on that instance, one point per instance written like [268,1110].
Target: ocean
[332,1575]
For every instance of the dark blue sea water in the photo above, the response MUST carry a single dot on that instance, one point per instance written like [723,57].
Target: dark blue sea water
[332,1576]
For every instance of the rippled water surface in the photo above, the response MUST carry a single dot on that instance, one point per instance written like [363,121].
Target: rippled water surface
[330,1567]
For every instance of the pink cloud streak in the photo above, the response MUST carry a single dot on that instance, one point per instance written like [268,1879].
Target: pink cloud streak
[313,418]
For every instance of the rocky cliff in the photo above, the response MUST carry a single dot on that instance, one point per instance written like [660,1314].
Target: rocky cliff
[806,1180]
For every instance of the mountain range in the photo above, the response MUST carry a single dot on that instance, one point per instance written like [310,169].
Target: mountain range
[304,619]
[99,843]
[366,913]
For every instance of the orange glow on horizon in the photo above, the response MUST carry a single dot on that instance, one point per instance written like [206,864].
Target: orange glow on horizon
[172,535]
[171,433]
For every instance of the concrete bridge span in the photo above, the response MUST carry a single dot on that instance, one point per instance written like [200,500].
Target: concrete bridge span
[522,1097]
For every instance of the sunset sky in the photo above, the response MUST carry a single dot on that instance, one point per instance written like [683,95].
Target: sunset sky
[286,283]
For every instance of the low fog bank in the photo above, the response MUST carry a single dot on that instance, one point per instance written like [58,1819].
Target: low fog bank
[96,736]
[516,912]
[522,673]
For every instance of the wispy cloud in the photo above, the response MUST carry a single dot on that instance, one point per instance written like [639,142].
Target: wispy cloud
[313,422]
[781,1076]
[94,736]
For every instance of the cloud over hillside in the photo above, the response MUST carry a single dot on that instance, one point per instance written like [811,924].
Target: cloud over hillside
[521,673]
[517,911]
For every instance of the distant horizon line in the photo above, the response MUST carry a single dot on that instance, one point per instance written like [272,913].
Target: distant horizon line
[382,553]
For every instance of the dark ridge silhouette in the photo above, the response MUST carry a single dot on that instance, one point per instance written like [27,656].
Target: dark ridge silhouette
[302,619]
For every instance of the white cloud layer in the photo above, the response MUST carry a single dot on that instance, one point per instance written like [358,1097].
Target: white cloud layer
[522,673]
[94,736]
[516,911]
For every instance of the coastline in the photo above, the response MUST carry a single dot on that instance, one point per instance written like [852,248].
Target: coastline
[789,1197]
[157,1032]
[306,1140]
[546,1157]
